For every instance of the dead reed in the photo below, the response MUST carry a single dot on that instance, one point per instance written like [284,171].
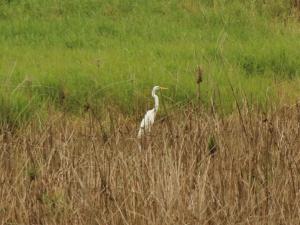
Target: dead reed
[199,79]
[86,171]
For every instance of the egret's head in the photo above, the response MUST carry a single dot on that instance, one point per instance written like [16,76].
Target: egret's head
[156,88]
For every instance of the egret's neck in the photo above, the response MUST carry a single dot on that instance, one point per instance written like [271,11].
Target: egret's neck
[156,101]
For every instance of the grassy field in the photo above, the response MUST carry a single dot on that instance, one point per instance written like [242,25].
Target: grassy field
[98,52]
[75,81]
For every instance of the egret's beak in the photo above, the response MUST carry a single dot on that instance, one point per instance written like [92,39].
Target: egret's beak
[163,88]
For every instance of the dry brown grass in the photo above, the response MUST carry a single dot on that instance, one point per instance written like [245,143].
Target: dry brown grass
[81,171]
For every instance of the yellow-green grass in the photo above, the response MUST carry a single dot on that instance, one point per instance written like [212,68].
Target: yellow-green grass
[71,54]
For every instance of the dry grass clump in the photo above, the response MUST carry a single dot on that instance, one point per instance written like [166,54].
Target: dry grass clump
[68,172]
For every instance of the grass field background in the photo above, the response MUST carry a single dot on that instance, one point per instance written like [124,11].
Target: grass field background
[72,53]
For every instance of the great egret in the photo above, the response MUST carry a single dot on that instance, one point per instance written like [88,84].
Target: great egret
[149,117]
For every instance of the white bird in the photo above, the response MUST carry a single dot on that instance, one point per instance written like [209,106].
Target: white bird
[149,117]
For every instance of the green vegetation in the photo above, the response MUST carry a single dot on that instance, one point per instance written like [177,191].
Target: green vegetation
[73,52]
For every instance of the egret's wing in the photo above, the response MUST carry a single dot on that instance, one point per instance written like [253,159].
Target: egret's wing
[147,122]
[149,119]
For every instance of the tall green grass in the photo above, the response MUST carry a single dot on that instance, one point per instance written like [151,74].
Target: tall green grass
[75,52]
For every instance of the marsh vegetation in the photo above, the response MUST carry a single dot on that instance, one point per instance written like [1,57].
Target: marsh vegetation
[75,82]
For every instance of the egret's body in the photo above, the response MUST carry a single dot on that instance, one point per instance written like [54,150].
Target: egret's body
[147,122]
[149,117]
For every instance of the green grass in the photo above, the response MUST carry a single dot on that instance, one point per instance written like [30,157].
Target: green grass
[113,52]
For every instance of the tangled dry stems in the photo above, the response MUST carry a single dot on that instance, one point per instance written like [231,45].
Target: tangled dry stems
[86,171]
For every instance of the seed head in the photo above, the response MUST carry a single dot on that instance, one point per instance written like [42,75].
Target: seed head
[199,74]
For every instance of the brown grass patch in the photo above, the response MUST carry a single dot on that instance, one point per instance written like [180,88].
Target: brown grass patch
[69,172]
